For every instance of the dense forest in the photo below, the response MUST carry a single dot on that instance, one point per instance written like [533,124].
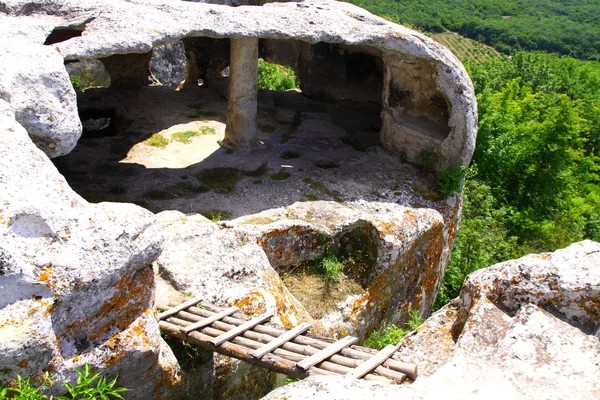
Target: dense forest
[569,27]
[534,181]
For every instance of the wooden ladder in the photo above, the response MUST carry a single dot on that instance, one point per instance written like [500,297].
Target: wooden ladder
[293,352]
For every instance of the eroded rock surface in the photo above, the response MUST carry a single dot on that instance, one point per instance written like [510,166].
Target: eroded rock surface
[522,329]
[33,80]
[76,280]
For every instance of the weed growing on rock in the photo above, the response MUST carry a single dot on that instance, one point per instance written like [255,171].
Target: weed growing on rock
[183,137]
[215,215]
[332,267]
[207,130]
[281,175]
[320,187]
[157,140]
[391,334]
[258,182]
[450,180]
[76,82]
[311,197]
[29,389]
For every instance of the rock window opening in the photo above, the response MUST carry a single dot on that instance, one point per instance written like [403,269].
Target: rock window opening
[59,35]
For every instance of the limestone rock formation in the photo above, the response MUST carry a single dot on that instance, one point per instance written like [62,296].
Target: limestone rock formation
[34,82]
[522,329]
[426,95]
[76,280]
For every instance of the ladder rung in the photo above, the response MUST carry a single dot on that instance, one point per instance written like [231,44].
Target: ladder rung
[275,343]
[174,310]
[372,362]
[210,320]
[240,329]
[327,352]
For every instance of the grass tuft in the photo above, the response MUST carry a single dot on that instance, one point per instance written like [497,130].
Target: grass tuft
[157,140]
[183,137]
[281,175]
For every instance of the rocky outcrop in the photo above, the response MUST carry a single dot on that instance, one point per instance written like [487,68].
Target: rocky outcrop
[522,329]
[34,82]
[77,284]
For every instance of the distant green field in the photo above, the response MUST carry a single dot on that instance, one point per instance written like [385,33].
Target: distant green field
[570,27]
[465,49]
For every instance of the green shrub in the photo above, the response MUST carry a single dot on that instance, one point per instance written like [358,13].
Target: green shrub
[157,140]
[215,215]
[450,180]
[27,389]
[276,77]
[76,82]
[391,334]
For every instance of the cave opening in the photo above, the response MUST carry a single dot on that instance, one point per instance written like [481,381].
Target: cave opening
[154,123]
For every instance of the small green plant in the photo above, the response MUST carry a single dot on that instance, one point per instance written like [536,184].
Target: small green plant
[266,128]
[320,187]
[311,197]
[289,154]
[415,321]
[183,137]
[427,159]
[157,140]
[76,82]
[332,267]
[391,334]
[258,182]
[215,215]
[281,175]
[289,380]
[28,389]
[222,180]
[450,180]
[207,130]
[185,353]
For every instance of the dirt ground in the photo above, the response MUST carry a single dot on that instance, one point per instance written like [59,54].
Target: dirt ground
[309,151]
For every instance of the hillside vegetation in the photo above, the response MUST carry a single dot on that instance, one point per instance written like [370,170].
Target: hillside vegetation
[466,49]
[534,182]
[570,27]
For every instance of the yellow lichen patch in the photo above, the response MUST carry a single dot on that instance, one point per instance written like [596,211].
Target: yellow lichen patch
[45,274]
[118,312]
[252,304]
